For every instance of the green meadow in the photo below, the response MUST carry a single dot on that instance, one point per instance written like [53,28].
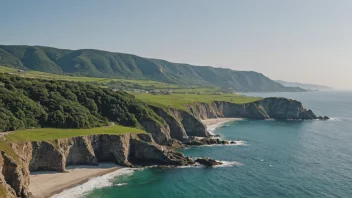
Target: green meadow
[48,76]
[47,134]
[103,82]
[181,100]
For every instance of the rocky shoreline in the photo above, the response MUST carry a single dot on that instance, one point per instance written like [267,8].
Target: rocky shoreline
[182,128]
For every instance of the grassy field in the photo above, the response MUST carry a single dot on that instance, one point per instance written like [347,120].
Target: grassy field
[43,75]
[103,82]
[47,134]
[181,100]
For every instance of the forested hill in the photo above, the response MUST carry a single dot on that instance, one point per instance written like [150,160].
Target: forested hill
[96,63]
[27,103]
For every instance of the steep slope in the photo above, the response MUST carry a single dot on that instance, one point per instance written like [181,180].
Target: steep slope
[27,103]
[96,63]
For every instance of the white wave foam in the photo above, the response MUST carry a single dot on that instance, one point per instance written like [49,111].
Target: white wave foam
[238,143]
[212,128]
[224,164]
[335,119]
[94,183]
[196,165]
[121,184]
[106,180]
[229,164]
[270,119]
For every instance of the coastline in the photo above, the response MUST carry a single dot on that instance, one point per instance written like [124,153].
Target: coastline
[214,123]
[48,183]
[51,183]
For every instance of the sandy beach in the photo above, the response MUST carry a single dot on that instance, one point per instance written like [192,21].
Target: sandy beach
[214,121]
[47,183]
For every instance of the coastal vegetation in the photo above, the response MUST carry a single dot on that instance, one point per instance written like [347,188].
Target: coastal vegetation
[47,134]
[96,63]
[27,103]
[180,101]
[116,83]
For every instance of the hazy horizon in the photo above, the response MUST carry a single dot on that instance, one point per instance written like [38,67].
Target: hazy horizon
[300,41]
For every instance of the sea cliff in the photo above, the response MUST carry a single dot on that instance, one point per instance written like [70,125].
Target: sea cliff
[187,122]
[21,158]
[126,150]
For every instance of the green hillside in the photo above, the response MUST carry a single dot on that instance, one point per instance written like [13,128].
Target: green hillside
[119,83]
[96,63]
[32,103]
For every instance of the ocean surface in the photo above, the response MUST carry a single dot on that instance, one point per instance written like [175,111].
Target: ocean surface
[277,159]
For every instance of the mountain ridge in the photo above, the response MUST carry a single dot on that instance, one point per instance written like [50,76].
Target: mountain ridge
[307,86]
[100,63]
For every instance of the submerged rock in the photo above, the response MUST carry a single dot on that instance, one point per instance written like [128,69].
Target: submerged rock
[225,142]
[207,141]
[208,162]
[323,118]
[193,143]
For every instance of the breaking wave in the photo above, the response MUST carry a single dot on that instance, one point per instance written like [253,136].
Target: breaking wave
[94,183]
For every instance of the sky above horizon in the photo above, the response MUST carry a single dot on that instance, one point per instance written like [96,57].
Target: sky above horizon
[307,41]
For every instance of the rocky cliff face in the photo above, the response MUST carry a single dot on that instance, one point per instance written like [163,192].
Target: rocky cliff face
[172,118]
[14,175]
[181,123]
[127,150]
[160,132]
[58,154]
[188,123]
[276,108]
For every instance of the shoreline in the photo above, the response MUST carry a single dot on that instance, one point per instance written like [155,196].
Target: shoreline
[48,183]
[216,121]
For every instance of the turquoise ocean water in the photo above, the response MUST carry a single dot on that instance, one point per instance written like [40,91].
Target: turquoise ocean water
[278,159]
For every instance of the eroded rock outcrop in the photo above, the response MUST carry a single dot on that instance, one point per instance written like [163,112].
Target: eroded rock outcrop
[183,124]
[126,150]
[276,108]
[208,162]
[172,118]
[195,141]
[14,169]
[148,153]
[58,154]
[159,131]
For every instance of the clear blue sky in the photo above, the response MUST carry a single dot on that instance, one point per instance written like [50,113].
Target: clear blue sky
[307,41]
